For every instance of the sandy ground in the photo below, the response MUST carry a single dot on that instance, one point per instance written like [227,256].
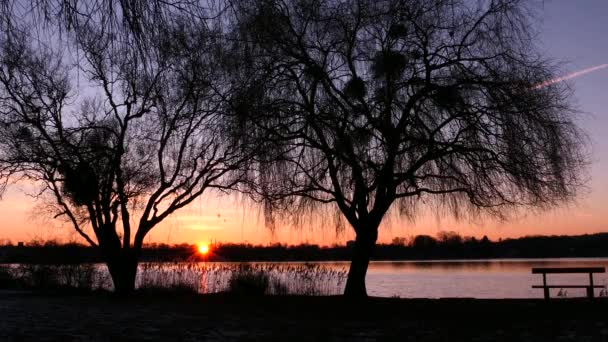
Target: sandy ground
[104,317]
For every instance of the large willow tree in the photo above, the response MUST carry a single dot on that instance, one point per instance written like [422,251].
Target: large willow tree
[379,105]
[118,128]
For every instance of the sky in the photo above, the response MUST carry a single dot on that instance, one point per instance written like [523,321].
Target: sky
[572,32]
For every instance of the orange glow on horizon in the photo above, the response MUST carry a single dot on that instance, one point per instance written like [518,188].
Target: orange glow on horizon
[22,222]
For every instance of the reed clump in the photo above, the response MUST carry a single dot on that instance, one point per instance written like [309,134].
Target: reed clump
[7,279]
[249,281]
[169,277]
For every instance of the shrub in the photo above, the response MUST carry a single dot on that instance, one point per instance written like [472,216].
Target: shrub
[249,281]
[67,276]
[38,276]
[7,278]
[80,276]
[278,287]
[285,279]
[168,278]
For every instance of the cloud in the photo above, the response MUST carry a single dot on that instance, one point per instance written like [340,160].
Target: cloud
[571,75]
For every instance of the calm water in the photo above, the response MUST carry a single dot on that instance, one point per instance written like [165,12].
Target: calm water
[503,278]
[497,278]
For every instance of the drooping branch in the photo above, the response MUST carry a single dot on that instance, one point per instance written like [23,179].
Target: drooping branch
[403,98]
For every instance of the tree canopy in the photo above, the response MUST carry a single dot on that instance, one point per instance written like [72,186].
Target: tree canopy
[117,139]
[376,104]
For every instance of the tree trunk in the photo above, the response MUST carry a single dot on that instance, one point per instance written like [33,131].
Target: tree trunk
[364,246]
[122,265]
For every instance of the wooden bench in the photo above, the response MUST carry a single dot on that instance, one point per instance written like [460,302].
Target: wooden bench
[562,270]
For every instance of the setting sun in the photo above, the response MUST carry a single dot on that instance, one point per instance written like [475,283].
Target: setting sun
[203,249]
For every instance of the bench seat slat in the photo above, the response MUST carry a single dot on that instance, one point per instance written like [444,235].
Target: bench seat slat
[539,270]
[567,286]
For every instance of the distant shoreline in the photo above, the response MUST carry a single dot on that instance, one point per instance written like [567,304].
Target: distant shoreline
[420,248]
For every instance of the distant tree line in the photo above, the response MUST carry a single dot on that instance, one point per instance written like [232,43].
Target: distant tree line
[446,245]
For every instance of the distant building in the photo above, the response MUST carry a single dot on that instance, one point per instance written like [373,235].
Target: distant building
[20,244]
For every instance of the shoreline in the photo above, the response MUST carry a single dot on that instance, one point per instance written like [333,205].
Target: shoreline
[603,259]
[415,248]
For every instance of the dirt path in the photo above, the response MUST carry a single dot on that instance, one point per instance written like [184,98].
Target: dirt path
[104,317]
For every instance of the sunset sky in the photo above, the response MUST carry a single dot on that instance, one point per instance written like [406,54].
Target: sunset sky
[573,32]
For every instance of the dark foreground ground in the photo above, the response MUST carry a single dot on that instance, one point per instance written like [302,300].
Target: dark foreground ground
[104,317]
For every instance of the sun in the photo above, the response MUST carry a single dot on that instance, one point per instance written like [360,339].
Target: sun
[203,249]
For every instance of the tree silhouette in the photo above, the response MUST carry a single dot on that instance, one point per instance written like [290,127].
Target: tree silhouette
[380,105]
[134,20]
[141,137]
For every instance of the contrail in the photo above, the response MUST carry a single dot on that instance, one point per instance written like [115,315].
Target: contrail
[569,76]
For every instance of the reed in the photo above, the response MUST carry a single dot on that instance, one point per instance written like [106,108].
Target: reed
[169,277]
[250,279]
[85,277]
[184,277]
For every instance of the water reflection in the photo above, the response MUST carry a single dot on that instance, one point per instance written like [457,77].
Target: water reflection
[497,278]
[482,265]
[496,265]
[501,278]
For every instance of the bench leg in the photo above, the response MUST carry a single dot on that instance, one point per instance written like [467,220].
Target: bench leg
[545,289]
[590,293]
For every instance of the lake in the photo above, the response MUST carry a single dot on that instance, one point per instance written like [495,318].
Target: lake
[500,278]
[493,278]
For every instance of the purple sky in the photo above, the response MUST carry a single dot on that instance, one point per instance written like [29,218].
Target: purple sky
[575,32]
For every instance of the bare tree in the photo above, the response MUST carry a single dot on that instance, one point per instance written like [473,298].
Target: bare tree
[374,105]
[142,136]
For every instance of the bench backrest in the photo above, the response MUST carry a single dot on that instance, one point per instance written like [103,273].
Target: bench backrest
[536,270]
